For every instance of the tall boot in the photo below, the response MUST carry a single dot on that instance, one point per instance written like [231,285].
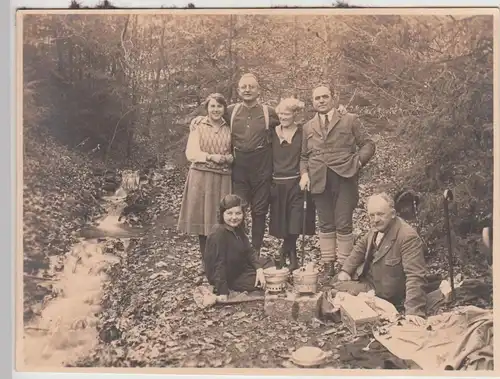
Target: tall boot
[328,245]
[345,244]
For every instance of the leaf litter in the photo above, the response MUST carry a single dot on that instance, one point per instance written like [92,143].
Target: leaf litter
[149,298]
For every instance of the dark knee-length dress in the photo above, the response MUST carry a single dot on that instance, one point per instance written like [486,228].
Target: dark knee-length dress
[230,261]
[287,199]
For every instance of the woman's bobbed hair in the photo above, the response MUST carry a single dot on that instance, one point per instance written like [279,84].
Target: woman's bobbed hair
[228,202]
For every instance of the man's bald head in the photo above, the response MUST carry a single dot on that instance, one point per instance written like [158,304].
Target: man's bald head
[380,208]
[248,88]
[248,78]
[382,197]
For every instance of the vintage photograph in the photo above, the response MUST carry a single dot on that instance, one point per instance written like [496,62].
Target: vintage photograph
[256,189]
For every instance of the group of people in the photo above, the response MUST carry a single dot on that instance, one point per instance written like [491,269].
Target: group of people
[251,155]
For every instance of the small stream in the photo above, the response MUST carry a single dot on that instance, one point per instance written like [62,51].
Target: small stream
[66,328]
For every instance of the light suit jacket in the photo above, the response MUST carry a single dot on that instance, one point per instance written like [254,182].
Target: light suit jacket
[342,147]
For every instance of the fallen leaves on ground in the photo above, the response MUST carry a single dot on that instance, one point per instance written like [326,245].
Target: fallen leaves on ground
[60,195]
[148,299]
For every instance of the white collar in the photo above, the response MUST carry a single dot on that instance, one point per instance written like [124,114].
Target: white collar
[207,121]
[329,114]
[282,137]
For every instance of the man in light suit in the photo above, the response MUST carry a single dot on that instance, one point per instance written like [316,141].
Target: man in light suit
[334,149]
[389,260]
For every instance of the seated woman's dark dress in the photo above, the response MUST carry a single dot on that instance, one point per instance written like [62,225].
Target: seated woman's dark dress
[230,261]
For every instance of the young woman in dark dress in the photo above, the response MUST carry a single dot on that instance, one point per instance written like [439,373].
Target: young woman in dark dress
[287,200]
[230,262]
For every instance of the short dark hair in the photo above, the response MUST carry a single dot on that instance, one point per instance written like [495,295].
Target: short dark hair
[218,98]
[230,201]
[328,86]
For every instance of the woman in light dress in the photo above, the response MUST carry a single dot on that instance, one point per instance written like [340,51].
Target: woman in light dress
[209,177]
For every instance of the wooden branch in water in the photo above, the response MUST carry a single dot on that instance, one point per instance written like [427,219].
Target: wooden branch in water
[78,260]
[41,279]
[35,328]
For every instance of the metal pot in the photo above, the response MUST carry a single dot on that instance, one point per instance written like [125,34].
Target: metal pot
[276,278]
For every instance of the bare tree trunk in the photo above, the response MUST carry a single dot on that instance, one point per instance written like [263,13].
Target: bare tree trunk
[70,59]
[156,83]
[123,77]
[326,63]
[294,59]
[231,62]
[135,98]
[80,61]
[165,122]
[60,52]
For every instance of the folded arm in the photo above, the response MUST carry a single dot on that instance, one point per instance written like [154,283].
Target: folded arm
[193,150]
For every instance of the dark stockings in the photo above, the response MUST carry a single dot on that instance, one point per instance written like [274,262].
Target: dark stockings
[258,230]
[289,248]
[203,242]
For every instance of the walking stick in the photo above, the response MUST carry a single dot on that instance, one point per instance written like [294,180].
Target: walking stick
[448,196]
[304,228]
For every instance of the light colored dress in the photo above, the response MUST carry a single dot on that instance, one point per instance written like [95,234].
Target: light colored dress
[207,182]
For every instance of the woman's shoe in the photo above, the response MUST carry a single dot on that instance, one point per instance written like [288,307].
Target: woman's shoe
[283,255]
[294,265]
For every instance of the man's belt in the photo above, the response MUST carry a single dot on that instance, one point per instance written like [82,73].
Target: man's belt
[332,150]
[260,147]
[286,177]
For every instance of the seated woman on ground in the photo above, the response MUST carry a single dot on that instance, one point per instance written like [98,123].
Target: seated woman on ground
[209,177]
[230,262]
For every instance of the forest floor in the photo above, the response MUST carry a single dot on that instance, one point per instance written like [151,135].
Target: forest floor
[148,316]
[149,303]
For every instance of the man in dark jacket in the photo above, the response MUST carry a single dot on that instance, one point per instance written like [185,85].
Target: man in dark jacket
[334,148]
[390,260]
[253,162]
[250,124]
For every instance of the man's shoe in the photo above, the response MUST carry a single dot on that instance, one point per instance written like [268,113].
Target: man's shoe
[331,269]
[328,272]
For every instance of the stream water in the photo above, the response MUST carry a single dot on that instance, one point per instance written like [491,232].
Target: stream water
[66,328]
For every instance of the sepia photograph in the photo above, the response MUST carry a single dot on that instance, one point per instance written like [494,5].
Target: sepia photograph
[282,190]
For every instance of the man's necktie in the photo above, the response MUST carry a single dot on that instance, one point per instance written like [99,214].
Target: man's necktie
[371,252]
[326,122]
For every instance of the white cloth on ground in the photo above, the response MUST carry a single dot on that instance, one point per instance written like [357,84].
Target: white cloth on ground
[447,341]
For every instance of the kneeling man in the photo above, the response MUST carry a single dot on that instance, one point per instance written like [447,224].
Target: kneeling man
[390,260]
